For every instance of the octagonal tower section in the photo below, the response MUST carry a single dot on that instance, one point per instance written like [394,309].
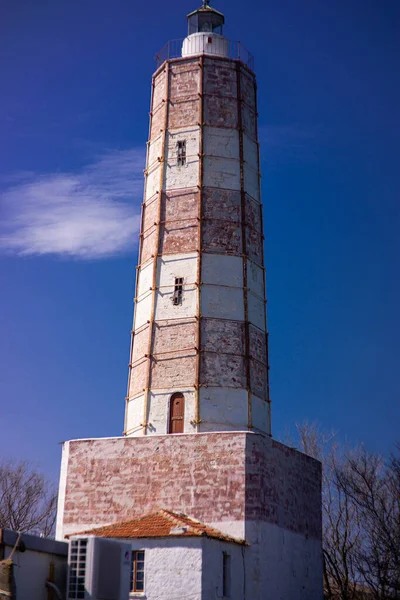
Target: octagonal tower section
[199,353]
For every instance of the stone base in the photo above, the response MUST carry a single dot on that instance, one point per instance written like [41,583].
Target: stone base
[245,484]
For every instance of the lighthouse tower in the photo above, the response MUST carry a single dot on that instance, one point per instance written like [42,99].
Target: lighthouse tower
[196,483]
[199,359]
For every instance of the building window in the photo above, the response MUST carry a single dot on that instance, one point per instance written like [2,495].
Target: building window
[176,413]
[77,569]
[226,575]
[137,571]
[181,153]
[178,291]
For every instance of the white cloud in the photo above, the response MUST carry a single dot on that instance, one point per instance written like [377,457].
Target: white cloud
[93,213]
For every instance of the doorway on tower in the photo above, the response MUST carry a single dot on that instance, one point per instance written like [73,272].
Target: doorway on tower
[176,412]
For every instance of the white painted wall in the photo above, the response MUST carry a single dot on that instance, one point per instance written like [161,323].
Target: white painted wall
[223,409]
[221,172]
[212,588]
[260,414]
[155,151]
[135,415]
[187,175]
[256,308]
[152,180]
[143,309]
[199,43]
[251,181]
[159,403]
[282,565]
[31,571]
[62,488]
[250,151]
[218,141]
[145,278]
[221,302]
[173,568]
[223,270]
[158,412]
[255,279]
[168,268]
[189,568]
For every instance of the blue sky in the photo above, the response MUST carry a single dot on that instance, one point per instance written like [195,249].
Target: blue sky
[74,121]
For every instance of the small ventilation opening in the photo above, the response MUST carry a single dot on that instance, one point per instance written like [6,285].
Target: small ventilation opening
[178,291]
[181,152]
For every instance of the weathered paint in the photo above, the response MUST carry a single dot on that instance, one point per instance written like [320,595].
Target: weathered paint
[256,311]
[135,412]
[260,414]
[159,405]
[185,176]
[32,565]
[142,309]
[224,408]
[214,477]
[222,270]
[209,205]
[169,268]
[171,566]
[222,142]
[282,565]
[222,302]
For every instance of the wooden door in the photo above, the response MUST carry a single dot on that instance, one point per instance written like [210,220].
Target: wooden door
[176,412]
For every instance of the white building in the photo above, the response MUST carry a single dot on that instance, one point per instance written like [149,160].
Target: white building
[39,568]
[175,556]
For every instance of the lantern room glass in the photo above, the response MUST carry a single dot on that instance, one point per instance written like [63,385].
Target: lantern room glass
[205,20]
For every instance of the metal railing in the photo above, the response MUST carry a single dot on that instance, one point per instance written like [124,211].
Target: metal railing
[236,51]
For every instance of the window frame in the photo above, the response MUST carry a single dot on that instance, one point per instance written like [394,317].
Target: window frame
[181,153]
[134,571]
[178,291]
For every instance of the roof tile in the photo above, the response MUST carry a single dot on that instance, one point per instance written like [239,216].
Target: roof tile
[164,523]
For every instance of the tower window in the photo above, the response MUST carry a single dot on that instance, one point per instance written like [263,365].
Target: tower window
[178,291]
[181,153]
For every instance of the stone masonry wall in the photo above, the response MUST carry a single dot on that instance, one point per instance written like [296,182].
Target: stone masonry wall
[202,222]
[214,477]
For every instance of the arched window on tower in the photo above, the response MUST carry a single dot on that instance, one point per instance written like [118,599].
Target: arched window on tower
[176,413]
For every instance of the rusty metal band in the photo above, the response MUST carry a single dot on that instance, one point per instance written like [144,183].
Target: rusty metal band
[244,245]
[142,211]
[264,271]
[197,418]
[156,250]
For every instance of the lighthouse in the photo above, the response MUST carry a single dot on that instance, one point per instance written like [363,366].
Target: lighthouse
[211,505]
[199,358]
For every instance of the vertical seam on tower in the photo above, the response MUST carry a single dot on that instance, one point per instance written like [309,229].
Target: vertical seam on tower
[156,252]
[199,244]
[260,207]
[142,212]
[244,245]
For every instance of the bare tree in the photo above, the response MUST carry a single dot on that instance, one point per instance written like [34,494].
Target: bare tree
[340,524]
[27,500]
[361,518]
[373,488]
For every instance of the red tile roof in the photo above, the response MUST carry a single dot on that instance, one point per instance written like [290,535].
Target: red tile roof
[164,523]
